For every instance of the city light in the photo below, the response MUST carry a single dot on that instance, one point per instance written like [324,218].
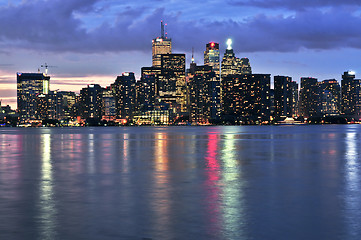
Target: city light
[229,44]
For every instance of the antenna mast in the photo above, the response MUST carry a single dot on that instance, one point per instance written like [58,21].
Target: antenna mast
[162,29]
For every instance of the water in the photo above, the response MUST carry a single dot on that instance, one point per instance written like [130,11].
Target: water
[236,182]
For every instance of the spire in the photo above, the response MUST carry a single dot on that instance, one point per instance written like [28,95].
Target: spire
[192,54]
[162,29]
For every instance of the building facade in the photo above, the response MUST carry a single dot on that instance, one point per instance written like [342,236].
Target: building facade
[285,96]
[309,97]
[29,87]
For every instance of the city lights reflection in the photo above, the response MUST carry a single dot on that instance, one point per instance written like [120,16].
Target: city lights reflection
[47,206]
[232,198]
[161,196]
[213,184]
[352,177]
[91,160]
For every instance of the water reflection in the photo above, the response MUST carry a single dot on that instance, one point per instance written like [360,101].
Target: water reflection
[161,194]
[352,176]
[232,198]
[213,185]
[91,151]
[47,206]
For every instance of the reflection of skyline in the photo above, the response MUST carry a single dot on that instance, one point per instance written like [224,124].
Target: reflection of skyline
[46,203]
[232,197]
[220,187]
[162,196]
[352,185]
[213,189]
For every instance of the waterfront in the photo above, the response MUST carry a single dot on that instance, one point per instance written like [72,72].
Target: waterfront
[221,182]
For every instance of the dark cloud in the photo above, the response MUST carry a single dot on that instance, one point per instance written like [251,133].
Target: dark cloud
[294,4]
[54,26]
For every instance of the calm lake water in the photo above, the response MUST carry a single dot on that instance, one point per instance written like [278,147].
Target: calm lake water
[226,182]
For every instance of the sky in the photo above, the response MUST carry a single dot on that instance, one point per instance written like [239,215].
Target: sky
[93,41]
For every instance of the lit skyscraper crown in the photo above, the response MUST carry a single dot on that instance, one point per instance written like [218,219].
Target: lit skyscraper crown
[229,44]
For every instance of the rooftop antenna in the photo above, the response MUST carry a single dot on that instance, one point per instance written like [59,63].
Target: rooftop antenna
[162,29]
[46,66]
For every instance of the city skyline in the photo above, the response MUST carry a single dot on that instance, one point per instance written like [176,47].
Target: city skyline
[79,40]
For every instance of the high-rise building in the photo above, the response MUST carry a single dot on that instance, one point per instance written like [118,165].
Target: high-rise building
[91,102]
[160,45]
[309,97]
[29,86]
[211,56]
[49,106]
[330,97]
[146,92]
[246,97]
[171,84]
[204,94]
[285,96]
[68,104]
[125,95]
[108,104]
[233,65]
[351,99]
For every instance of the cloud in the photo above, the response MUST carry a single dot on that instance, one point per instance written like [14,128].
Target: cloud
[294,4]
[61,26]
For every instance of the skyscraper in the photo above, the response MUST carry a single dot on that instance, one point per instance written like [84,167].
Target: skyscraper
[233,65]
[204,94]
[330,97]
[285,96]
[160,45]
[246,97]
[172,86]
[91,102]
[125,95]
[29,86]
[351,90]
[309,97]
[211,56]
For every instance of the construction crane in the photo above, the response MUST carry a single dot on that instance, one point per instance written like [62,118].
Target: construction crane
[46,66]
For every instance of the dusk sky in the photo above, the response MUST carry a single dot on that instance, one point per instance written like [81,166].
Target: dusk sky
[93,41]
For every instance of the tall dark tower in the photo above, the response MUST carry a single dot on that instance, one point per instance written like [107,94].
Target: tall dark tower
[285,96]
[309,97]
[160,45]
[350,88]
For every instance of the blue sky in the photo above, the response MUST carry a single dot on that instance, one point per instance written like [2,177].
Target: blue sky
[93,41]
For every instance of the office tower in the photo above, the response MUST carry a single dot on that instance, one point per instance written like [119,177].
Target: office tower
[330,97]
[204,95]
[160,45]
[351,100]
[285,96]
[246,97]
[68,104]
[49,106]
[91,102]
[29,86]
[108,105]
[171,84]
[124,90]
[233,65]
[146,92]
[211,56]
[309,97]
